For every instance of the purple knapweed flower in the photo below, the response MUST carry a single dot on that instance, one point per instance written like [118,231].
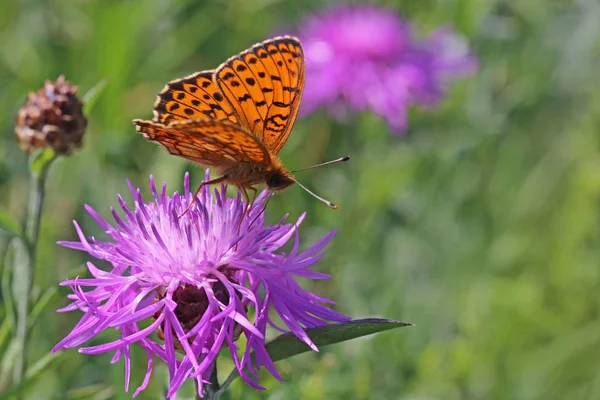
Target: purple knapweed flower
[365,58]
[199,282]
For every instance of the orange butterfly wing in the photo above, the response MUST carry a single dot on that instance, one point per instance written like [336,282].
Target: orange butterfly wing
[194,97]
[209,142]
[241,113]
[264,86]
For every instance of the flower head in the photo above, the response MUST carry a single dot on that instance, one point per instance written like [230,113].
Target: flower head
[366,58]
[51,117]
[199,282]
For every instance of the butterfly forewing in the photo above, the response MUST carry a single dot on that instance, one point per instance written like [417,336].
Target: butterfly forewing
[264,86]
[208,142]
[281,117]
[194,97]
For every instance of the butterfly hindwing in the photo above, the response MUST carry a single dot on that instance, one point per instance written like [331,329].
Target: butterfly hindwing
[207,141]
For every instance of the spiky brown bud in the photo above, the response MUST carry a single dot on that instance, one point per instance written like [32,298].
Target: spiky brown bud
[51,117]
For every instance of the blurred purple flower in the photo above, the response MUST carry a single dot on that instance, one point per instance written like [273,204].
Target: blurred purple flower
[366,58]
[194,280]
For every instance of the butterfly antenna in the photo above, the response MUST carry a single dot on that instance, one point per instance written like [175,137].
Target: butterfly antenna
[330,204]
[341,159]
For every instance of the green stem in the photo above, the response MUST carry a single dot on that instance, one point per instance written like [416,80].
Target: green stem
[211,390]
[25,260]
[234,374]
[37,190]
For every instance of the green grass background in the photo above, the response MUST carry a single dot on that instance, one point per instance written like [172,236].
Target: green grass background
[480,226]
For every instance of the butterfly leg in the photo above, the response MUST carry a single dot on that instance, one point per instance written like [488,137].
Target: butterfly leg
[249,202]
[211,182]
[254,192]
[264,208]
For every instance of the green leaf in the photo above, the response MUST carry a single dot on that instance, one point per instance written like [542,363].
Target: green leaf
[41,160]
[47,299]
[5,284]
[20,287]
[95,392]
[33,373]
[90,98]
[8,361]
[8,223]
[289,345]
[6,328]
[20,273]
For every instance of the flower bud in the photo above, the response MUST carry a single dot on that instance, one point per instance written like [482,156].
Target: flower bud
[53,118]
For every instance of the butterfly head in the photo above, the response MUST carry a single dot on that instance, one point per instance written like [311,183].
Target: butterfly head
[279,180]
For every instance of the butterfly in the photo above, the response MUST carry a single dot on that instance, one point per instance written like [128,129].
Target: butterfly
[236,118]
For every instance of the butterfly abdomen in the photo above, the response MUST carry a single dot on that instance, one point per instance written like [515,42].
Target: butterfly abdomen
[244,174]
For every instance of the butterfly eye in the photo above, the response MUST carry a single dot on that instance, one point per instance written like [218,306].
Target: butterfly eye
[278,181]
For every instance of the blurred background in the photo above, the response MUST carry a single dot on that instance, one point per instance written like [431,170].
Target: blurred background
[479,223]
